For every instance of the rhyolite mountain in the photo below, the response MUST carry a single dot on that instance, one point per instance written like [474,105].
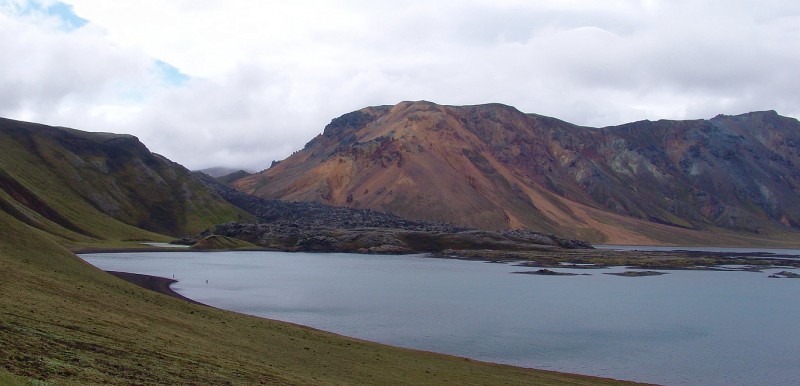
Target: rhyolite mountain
[80,186]
[728,178]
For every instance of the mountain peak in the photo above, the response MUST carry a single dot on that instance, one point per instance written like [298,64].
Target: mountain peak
[493,167]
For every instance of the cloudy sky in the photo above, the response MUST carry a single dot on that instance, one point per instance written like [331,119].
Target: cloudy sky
[240,83]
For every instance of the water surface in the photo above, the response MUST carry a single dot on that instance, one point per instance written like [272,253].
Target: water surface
[686,327]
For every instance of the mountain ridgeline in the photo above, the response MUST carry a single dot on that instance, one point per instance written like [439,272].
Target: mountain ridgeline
[80,186]
[493,167]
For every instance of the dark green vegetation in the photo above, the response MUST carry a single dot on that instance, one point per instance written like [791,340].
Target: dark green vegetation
[213,242]
[83,187]
[9,379]
[65,322]
[229,178]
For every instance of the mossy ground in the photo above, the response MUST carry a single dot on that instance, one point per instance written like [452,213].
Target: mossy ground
[217,242]
[9,379]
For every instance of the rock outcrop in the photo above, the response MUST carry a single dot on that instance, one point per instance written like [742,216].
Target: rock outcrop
[289,236]
[308,226]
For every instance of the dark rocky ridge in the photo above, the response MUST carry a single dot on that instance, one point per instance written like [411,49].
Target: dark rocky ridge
[308,226]
[286,235]
[314,214]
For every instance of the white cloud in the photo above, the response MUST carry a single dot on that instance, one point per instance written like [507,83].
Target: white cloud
[265,77]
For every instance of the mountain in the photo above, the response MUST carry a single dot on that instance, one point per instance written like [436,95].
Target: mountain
[219,171]
[233,176]
[494,167]
[80,186]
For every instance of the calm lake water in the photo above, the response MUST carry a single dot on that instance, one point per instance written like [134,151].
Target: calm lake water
[686,327]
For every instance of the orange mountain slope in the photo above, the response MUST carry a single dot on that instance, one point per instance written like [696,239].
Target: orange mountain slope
[493,167]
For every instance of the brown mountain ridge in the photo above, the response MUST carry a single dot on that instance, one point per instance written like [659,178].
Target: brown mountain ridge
[729,179]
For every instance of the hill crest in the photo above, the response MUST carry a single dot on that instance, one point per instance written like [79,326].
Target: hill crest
[78,185]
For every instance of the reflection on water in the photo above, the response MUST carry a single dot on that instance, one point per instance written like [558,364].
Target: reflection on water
[685,327]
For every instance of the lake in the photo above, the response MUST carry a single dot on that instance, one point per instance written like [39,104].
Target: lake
[682,328]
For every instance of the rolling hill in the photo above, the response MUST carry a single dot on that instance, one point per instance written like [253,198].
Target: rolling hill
[80,186]
[729,179]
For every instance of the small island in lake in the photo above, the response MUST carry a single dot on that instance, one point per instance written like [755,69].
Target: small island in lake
[547,272]
[636,273]
[785,275]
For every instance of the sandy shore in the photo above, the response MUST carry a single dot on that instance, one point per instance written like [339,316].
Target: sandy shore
[153,283]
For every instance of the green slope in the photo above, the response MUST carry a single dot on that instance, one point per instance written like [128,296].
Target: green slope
[82,186]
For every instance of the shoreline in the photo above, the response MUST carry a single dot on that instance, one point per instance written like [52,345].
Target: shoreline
[678,259]
[158,284]
[89,250]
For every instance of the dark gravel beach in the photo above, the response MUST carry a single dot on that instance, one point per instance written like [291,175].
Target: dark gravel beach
[153,283]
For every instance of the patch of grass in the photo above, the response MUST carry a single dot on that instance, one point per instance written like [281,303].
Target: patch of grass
[222,242]
[9,379]
[591,235]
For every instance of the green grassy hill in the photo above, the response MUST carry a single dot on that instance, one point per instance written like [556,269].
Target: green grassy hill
[65,322]
[83,186]
[217,242]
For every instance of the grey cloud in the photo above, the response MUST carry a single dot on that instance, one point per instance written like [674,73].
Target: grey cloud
[581,62]
[44,72]
[241,122]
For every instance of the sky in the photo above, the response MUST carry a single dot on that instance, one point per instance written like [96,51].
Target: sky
[240,83]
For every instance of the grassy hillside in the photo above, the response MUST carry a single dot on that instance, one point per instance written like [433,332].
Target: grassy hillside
[218,242]
[64,321]
[81,186]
